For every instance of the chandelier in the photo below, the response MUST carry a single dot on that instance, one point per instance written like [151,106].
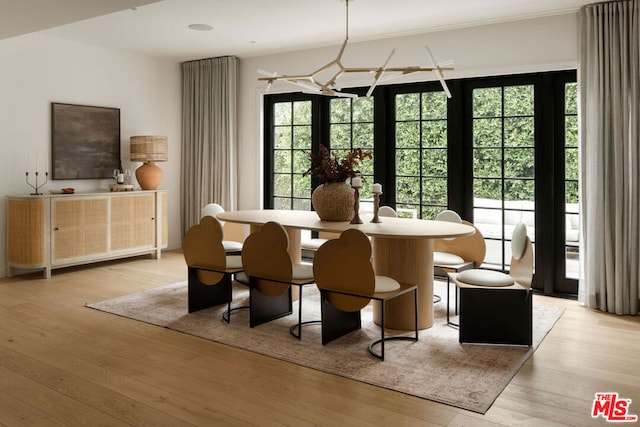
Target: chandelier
[313,83]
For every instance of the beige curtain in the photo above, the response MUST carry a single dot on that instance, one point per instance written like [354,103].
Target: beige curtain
[209,169]
[609,159]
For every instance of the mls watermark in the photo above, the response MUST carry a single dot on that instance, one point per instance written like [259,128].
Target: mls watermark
[612,408]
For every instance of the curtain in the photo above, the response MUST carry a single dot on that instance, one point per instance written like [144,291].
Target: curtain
[209,169]
[609,159]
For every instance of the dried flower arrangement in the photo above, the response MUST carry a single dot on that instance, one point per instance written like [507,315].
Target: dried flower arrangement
[330,168]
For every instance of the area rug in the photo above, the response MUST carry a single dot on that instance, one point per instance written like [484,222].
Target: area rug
[436,367]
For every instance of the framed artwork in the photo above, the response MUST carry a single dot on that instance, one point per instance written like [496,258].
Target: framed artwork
[85,141]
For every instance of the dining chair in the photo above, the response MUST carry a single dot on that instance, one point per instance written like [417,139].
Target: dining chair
[230,246]
[271,273]
[344,274]
[210,269]
[495,307]
[453,255]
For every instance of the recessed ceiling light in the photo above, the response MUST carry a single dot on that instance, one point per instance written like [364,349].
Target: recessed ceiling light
[201,27]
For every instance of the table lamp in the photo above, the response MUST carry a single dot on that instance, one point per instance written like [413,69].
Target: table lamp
[149,149]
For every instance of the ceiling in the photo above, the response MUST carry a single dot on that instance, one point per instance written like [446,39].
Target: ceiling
[253,27]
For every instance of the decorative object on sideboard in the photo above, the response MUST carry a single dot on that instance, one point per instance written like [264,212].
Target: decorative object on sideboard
[333,199]
[333,70]
[356,184]
[149,149]
[377,191]
[37,186]
[85,141]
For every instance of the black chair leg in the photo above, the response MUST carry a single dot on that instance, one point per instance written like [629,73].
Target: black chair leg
[201,296]
[296,330]
[335,322]
[264,308]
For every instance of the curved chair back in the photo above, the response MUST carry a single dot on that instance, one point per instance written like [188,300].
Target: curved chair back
[344,264]
[449,216]
[265,256]
[470,247]
[212,209]
[387,211]
[202,247]
[521,257]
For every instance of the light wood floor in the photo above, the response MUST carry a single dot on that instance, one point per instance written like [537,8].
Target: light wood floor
[64,364]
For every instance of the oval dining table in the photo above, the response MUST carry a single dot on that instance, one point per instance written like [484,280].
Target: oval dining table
[402,249]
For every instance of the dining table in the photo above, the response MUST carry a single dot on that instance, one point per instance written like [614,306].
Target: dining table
[402,249]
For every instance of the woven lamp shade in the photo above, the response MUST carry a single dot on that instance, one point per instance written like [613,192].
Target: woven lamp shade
[149,149]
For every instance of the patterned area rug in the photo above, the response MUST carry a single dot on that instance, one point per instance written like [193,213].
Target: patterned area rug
[436,367]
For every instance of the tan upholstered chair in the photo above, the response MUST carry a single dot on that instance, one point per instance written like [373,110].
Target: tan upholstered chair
[210,269]
[344,274]
[233,232]
[271,274]
[495,307]
[453,255]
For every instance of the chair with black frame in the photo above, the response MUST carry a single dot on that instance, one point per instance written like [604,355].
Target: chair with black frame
[344,274]
[231,246]
[271,274]
[496,308]
[210,269]
[453,255]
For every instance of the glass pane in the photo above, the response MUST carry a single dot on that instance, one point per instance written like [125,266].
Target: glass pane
[282,161]
[408,190]
[281,203]
[301,161]
[363,135]
[302,204]
[408,162]
[365,167]
[408,106]
[571,131]
[571,163]
[301,186]
[571,98]
[487,133]
[341,136]
[282,184]
[302,113]
[512,218]
[282,113]
[518,100]
[487,102]
[363,109]
[434,105]
[571,188]
[487,189]
[518,162]
[302,137]
[434,134]
[518,132]
[518,190]
[282,136]
[487,162]
[434,191]
[489,222]
[408,135]
[407,210]
[340,110]
[434,162]
[430,212]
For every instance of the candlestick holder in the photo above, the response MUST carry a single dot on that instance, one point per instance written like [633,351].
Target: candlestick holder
[356,205]
[376,207]
[36,187]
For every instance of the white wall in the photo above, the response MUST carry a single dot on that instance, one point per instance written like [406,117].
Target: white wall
[541,44]
[36,70]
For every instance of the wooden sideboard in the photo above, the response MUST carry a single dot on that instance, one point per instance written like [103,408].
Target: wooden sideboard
[62,230]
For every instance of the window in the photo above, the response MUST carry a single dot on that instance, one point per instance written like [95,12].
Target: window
[501,151]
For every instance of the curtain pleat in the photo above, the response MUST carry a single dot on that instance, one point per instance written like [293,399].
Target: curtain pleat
[609,159]
[209,165]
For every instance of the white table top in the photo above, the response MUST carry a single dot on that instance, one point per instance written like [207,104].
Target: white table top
[389,227]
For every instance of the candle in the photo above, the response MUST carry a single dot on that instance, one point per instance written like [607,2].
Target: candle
[356,182]
[376,188]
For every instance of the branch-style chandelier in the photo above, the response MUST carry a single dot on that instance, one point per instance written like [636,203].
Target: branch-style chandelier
[311,82]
